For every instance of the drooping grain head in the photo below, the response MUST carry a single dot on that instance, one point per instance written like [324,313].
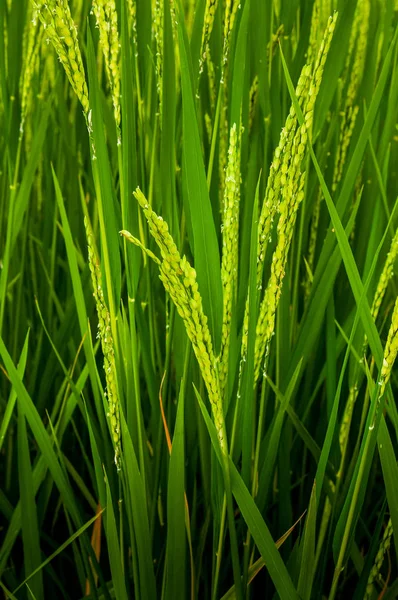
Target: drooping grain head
[266,320]
[158,32]
[210,9]
[382,551]
[107,344]
[61,31]
[229,262]
[179,280]
[354,73]
[106,17]
[33,36]
[285,192]
[230,10]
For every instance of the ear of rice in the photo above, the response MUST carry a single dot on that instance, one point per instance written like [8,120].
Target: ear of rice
[61,31]
[288,183]
[108,350]
[106,17]
[383,549]
[229,263]
[179,280]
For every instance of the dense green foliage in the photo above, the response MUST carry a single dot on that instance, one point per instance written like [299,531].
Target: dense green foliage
[231,430]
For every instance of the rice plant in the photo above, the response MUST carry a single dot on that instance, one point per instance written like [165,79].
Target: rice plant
[198,306]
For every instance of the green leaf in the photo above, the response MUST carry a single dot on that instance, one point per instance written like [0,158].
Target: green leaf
[329,260]
[42,439]
[245,409]
[80,302]
[114,549]
[7,415]
[274,436]
[390,474]
[197,205]
[254,521]
[129,156]
[176,540]
[61,548]
[23,196]
[30,524]
[137,508]
[107,208]
[307,567]
[345,249]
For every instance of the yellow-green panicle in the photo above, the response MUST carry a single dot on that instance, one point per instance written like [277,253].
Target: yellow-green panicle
[288,185]
[106,17]
[229,262]
[179,280]
[108,350]
[61,31]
